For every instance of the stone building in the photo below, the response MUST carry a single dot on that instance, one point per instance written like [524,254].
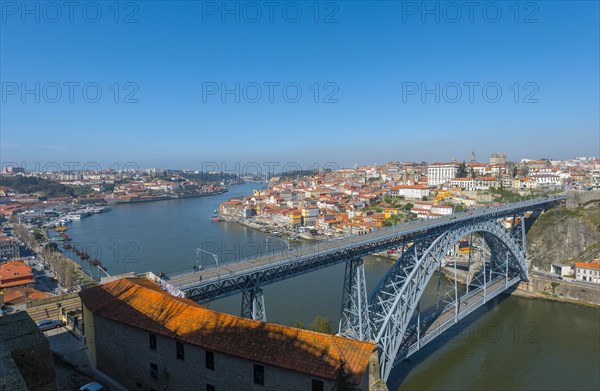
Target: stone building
[25,358]
[147,339]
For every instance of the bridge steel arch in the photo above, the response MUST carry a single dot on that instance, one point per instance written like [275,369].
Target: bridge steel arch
[392,304]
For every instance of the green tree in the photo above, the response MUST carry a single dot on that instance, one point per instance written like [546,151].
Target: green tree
[462,170]
[51,246]
[321,324]
[424,198]
[299,325]
[554,284]
[408,206]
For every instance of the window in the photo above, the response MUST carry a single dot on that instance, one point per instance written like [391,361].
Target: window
[153,341]
[154,371]
[317,385]
[180,351]
[259,374]
[210,360]
[210,387]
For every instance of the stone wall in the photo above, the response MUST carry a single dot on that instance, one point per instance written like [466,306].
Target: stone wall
[30,352]
[123,353]
[577,198]
[564,290]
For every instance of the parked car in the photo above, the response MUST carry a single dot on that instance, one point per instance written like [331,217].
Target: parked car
[93,386]
[49,324]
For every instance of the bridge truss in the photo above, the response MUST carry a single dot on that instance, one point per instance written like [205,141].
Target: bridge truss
[391,314]
[394,317]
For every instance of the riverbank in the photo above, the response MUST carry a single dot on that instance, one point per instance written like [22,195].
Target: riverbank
[562,290]
[549,297]
[112,201]
[269,227]
[541,289]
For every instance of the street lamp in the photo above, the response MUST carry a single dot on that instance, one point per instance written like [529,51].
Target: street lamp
[209,253]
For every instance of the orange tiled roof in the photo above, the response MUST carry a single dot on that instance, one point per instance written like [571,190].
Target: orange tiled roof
[13,269]
[18,295]
[15,273]
[588,265]
[141,303]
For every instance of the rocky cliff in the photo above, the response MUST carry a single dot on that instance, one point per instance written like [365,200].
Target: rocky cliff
[563,235]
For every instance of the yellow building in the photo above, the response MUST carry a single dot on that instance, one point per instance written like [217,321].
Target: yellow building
[389,212]
[295,217]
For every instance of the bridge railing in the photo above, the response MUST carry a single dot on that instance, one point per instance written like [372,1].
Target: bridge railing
[331,246]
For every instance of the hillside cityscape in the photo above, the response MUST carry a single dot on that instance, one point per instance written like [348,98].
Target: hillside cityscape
[299,195]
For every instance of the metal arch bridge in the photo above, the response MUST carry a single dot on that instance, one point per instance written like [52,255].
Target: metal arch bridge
[390,315]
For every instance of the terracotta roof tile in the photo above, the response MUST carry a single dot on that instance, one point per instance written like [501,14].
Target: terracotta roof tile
[141,303]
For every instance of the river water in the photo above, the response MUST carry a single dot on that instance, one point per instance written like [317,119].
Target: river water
[514,343]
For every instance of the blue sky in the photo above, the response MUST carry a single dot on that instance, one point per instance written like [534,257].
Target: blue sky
[369,62]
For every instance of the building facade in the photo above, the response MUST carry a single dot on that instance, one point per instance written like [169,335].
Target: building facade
[146,339]
[439,173]
[9,249]
[409,191]
[588,271]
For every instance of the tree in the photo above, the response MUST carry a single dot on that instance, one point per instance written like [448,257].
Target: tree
[321,324]
[299,325]
[408,206]
[554,284]
[462,170]
[424,198]
[51,246]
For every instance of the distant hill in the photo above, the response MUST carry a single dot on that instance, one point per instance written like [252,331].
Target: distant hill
[29,185]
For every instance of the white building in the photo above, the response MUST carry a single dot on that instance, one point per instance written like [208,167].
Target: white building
[485,182]
[547,179]
[409,191]
[441,209]
[588,271]
[464,183]
[438,173]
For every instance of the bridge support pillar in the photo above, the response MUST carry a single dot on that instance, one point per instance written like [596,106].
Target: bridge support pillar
[253,305]
[520,234]
[354,319]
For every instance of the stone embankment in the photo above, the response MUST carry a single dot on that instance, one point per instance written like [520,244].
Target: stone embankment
[562,290]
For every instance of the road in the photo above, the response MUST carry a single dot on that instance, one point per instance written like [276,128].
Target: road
[467,304]
[245,266]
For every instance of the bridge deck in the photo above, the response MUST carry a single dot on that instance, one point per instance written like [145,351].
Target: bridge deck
[467,304]
[248,266]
